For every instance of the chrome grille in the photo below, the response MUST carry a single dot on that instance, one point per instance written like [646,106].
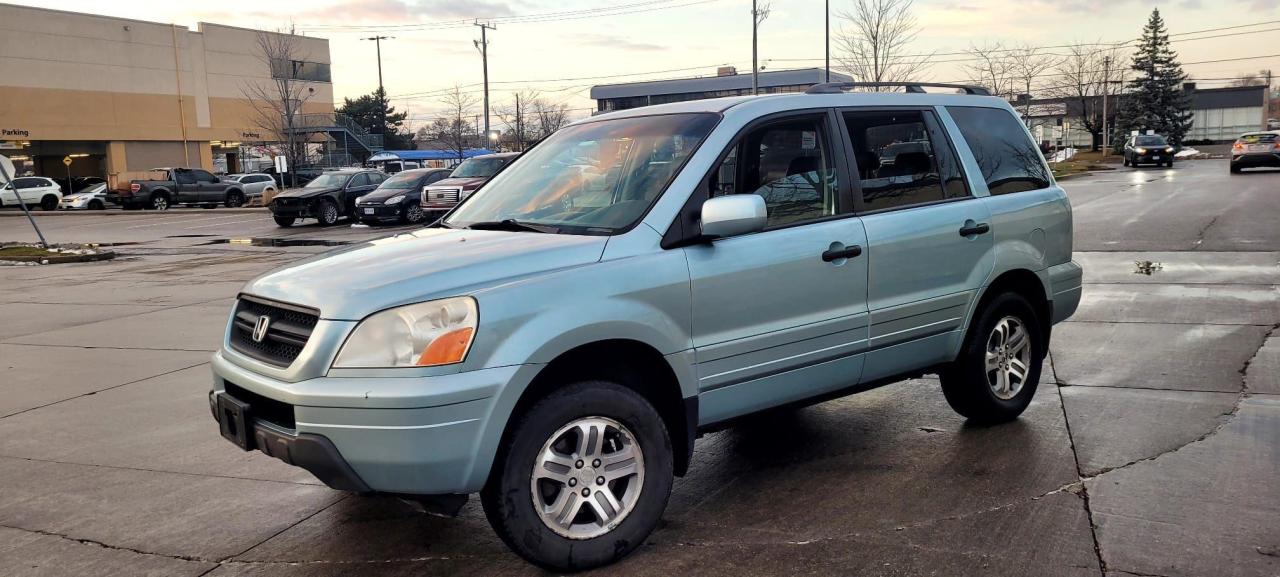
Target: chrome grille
[287,332]
[432,195]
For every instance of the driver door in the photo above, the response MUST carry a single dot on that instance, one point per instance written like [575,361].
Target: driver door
[776,316]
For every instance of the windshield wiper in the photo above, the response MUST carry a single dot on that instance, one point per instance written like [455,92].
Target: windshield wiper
[512,225]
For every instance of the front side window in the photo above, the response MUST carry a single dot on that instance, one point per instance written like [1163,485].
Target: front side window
[204,176]
[899,161]
[361,179]
[184,177]
[788,164]
[592,178]
[1009,161]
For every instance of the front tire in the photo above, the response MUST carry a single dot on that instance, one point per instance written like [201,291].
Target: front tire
[996,374]
[97,205]
[235,199]
[284,221]
[585,477]
[49,202]
[413,214]
[327,214]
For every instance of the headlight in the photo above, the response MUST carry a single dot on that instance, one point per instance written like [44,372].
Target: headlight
[1140,150]
[395,199]
[1168,149]
[420,335]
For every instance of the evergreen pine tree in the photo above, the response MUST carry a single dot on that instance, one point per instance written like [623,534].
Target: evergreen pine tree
[1155,100]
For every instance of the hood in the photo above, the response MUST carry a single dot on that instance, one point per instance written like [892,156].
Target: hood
[382,194]
[307,192]
[428,263]
[79,195]
[465,183]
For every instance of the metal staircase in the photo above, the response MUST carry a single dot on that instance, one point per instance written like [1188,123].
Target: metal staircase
[345,139]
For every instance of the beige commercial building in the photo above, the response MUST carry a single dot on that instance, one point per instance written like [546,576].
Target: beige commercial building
[120,95]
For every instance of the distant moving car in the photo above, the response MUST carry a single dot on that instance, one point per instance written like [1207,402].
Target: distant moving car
[327,198]
[397,198]
[168,187]
[33,190]
[255,184]
[92,197]
[1148,149]
[465,179]
[1273,124]
[1256,150]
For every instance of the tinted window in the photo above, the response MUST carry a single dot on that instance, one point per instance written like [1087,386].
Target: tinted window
[439,175]
[361,179]
[204,176]
[184,177]
[788,164]
[999,142]
[376,177]
[899,161]
[28,182]
[478,167]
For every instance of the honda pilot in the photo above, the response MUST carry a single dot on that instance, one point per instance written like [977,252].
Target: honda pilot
[558,341]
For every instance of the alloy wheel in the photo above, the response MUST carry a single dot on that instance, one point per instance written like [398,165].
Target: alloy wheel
[414,214]
[160,203]
[1008,357]
[587,478]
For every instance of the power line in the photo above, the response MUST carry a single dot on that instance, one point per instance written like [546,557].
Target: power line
[636,8]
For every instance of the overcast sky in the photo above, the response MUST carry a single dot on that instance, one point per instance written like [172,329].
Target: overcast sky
[678,38]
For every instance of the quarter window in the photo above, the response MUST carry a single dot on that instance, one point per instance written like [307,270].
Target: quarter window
[1005,154]
[788,164]
[900,162]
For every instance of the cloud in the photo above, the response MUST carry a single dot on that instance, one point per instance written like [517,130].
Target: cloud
[616,43]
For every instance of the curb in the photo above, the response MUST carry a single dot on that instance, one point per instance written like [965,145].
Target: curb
[63,258]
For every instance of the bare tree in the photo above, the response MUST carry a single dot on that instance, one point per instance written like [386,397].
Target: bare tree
[1079,80]
[515,116]
[1027,63]
[873,44]
[1260,78]
[278,103]
[451,129]
[548,117]
[991,67]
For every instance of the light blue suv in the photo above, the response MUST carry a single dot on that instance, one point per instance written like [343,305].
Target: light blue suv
[557,342]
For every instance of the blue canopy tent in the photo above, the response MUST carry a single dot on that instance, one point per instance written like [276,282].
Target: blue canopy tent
[392,161]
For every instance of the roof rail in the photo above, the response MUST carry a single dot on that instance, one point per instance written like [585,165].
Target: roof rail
[916,87]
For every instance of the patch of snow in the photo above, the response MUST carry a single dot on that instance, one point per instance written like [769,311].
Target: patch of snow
[1186,152]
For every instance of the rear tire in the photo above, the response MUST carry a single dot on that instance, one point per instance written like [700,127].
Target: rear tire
[1004,340]
[550,468]
[235,199]
[159,202]
[97,205]
[49,202]
[284,221]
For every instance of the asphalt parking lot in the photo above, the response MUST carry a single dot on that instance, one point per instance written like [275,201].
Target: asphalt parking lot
[1152,446]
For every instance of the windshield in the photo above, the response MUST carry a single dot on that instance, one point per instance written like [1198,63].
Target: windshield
[403,180]
[92,188]
[593,178]
[1151,141]
[333,180]
[478,168]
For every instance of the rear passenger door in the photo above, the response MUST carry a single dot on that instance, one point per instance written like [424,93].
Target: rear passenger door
[777,315]
[186,189]
[928,238]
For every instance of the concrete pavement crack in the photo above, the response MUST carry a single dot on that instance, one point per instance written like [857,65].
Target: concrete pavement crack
[91,393]
[1200,235]
[1083,490]
[102,545]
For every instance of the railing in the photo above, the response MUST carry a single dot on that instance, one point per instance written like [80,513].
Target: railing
[335,122]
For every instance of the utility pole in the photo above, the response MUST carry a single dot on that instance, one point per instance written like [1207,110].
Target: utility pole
[519,127]
[1106,88]
[755,67]
[483,46]
[382,93]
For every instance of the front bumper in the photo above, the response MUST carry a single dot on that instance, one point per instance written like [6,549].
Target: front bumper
[428,435]
[1153,157]
[293,208]
[1256,159]
[381,212]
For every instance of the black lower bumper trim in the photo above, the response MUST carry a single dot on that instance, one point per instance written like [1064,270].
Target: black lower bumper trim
[311,452]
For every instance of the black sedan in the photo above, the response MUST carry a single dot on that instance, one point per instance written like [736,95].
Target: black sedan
[397,199]
[326,198]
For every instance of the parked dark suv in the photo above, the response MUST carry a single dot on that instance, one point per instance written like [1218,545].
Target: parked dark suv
[326,198]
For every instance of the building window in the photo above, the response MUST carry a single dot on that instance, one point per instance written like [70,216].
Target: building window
[300,70]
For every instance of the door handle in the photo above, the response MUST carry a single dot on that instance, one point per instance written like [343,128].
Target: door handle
[980,228]
[837,254]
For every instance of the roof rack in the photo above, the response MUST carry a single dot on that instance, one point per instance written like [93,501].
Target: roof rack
[915,87]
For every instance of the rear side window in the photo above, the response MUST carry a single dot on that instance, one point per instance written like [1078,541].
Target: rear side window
[900,162]
[1005,154]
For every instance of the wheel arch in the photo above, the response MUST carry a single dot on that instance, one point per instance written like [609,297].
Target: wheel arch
[1026,283]
[627,362]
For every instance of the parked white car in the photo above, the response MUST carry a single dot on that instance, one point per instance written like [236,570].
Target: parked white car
[92,197]
[255,184]
[34,190]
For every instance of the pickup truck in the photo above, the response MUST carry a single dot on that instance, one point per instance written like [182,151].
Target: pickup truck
[168,187]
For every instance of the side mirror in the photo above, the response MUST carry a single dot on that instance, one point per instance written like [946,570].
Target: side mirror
[733,215]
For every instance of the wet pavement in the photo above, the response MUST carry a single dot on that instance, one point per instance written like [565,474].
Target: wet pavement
[1152,446]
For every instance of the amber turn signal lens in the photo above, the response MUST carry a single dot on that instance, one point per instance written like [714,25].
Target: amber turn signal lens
[446,349]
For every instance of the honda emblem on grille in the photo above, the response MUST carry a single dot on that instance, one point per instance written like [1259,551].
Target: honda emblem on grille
[260,329]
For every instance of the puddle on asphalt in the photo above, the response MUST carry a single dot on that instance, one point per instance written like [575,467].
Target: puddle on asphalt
[190,235]
[279,241]
[1147,267]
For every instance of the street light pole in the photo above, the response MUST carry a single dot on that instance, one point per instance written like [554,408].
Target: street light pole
[827,43]
[755,68]
[382,93]
[1106,88]
[483,45]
